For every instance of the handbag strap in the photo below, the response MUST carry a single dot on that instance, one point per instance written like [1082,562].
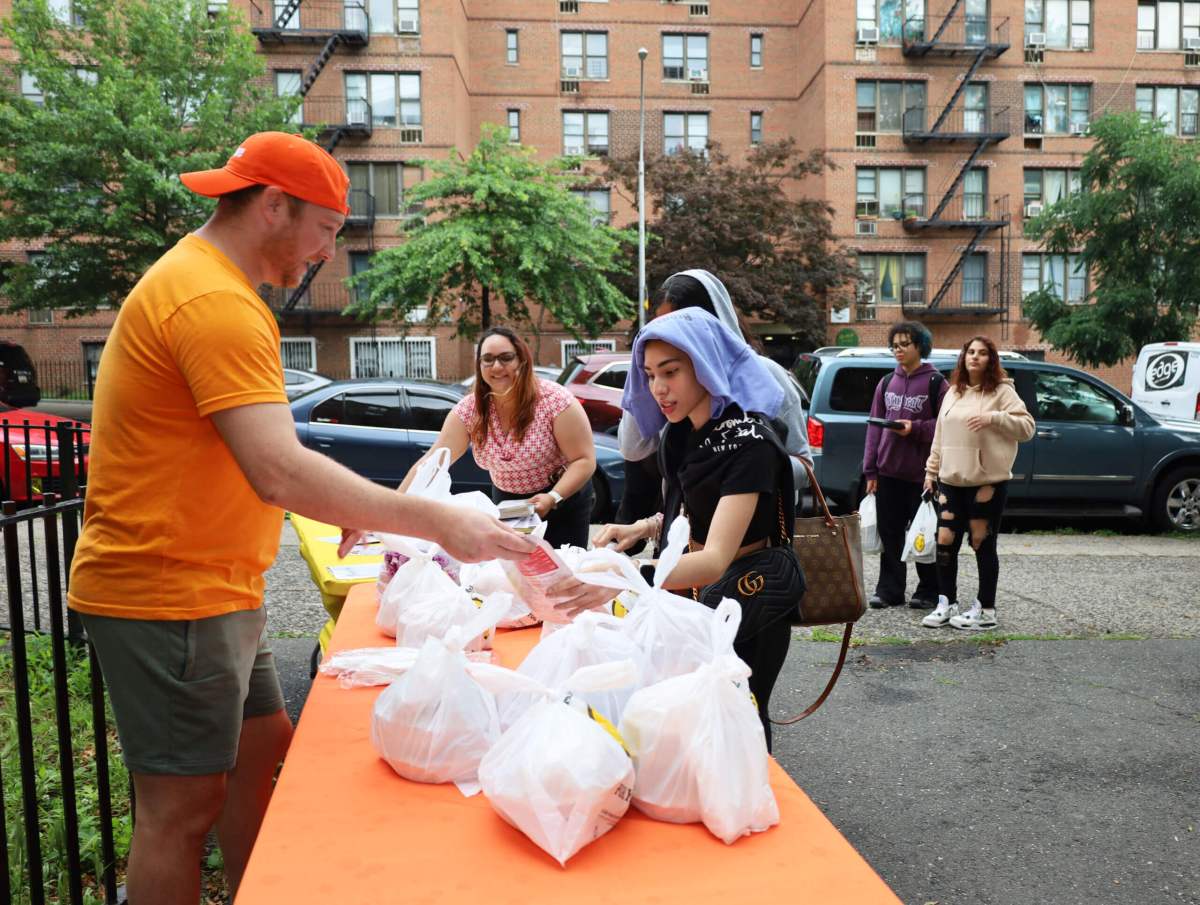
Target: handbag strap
[837,670]
[818,495]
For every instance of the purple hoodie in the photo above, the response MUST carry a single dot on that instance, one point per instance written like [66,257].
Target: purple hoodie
[905,396]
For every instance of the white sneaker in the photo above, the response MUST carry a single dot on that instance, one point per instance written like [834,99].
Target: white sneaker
[944,612]
[976,619]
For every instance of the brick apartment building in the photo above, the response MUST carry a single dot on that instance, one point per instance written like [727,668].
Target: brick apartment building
[949,123]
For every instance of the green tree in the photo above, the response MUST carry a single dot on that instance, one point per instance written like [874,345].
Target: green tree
[1136,227]
[498,225]
[745,222]
[135,93]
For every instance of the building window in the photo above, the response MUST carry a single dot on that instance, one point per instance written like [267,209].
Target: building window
[600,201]
[31,91]
[685,130]
[756,51]
[882,105]
[1175,108]
[65,12]
[890,278]
[1064,275]
[382,182]
[299,352]
[889,192]
[394,97]
[408,356]
[1057,109]
[584,55]
[685,57]
[510,46]
[514,126]
[1044,186]
[974,280]
[287,84]
[585,134]
[408,16]
[1167,24]
[1063,23]
[891,16]
[756,128]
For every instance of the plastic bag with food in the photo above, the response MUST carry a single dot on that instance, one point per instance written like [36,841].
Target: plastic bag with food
[698,744]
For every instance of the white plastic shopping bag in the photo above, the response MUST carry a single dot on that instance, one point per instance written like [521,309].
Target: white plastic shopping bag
[920,542]
[698,745]
[559,774]
[484,578]
[421,578]
[673,632]
[436,721]
[593,638]
[869,522]
[432,616]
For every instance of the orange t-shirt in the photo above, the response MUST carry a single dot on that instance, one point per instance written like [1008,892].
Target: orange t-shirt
[172,529]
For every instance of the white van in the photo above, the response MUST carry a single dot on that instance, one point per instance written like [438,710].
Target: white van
[1166,380]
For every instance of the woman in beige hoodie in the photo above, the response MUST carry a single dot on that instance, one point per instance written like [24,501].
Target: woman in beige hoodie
[982,419]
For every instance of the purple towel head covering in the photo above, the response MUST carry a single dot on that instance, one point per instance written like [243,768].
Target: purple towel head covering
[725,366]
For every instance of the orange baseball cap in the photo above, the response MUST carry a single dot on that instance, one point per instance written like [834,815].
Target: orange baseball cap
[288,162]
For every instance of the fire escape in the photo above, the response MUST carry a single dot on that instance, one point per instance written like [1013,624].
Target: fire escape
[327,24]
[973,285]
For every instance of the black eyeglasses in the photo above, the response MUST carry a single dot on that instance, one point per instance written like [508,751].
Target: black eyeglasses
[899,344]
[505,358]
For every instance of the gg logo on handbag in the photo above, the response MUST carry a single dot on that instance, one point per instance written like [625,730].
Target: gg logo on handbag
[751,583]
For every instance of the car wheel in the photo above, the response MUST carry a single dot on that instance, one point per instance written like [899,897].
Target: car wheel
[601,504]
[1176,504]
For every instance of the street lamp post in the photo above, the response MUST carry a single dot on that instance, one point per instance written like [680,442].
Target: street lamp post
[641,301]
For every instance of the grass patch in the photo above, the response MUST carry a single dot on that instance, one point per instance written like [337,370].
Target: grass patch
[292,633]
[48,781]
[1183,535]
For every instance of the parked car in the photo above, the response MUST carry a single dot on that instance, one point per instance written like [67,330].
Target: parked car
[30,466]
[1095,452]
[597,381]
[297,382]
[1166,380]
[546,372]
[18,377]
[379,427]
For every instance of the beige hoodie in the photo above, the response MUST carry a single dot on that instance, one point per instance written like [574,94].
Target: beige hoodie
[962,457]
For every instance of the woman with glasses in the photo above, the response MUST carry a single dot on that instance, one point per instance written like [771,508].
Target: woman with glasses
[531,435]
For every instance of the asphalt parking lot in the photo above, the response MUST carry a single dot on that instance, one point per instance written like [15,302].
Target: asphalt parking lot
[967,771]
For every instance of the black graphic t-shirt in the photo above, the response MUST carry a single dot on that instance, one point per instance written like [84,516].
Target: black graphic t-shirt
[731,454]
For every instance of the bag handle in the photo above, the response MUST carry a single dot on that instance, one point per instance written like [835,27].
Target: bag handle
[837,670]
[818,495]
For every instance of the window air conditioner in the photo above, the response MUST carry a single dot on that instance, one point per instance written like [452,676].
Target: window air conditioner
[698,75]
[1033,209]
[913,295]
[864,227]
[571,72]
[409,26]
[1079,43]
[1036,40]
[1191,43]
[868,36]
[1079,128]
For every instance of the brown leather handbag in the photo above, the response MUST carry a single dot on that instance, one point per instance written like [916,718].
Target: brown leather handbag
[830,550]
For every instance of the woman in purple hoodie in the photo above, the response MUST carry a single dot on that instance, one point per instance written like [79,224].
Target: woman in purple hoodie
[894,460]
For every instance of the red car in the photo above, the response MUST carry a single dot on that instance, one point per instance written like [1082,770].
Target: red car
[597,381]
[30,466]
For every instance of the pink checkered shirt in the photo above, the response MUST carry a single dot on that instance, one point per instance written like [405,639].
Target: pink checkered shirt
[528,466]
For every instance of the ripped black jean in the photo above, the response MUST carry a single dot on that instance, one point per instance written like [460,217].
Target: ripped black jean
[973,512]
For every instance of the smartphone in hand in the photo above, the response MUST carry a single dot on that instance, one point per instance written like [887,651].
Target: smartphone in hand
[887,423]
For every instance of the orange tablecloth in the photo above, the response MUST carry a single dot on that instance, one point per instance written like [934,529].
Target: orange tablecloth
[343,827]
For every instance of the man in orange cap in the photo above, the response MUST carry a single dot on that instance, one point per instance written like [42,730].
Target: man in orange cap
[194,457]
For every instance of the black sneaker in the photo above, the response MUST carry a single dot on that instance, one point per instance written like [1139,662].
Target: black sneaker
[923,603]
[878,603]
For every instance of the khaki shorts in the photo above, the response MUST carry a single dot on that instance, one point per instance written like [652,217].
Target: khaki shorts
[180,690]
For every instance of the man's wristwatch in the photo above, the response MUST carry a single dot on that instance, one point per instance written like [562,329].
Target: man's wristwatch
[556,496]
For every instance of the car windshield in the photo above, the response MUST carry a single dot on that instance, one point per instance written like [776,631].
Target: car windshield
[569,372]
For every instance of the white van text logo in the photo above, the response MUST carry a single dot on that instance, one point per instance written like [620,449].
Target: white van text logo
[1165,371]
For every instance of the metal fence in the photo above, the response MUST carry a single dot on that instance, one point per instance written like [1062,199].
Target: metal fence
[64,379]
[57,845]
